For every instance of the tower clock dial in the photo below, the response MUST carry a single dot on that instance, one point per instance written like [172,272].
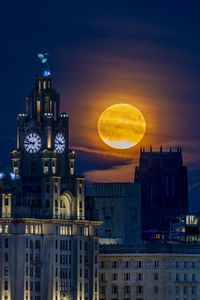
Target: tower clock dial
[32,143]
[59,143]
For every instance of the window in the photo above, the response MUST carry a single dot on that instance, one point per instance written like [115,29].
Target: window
[114,277]
[5,257]
[114,289]
[139,264]
[193,264]
[139,276]
[126,276]
[139,289]
[102,290]
[177,264]
[155,276]
[185,289]
[177,290]
[6,271]
[114,264]
[37,286]
[193,277]
[127,289]
[37,272]
[6,243]
[185,264]
[156,264]
[37,244]
[26,285]
[31,272]
[86,273]
[5,285]
[102,276]
[126,264]
[193,290]
[177,277]
[185,276]
[26,229]
[155,289]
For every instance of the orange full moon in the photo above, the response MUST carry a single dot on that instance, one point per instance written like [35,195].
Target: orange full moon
[121,126]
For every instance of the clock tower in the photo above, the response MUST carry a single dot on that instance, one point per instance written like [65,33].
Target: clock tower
[44,235]
[43,159]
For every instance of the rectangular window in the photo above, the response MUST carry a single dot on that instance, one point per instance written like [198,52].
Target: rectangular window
[6,271]
[139,276]
[126,276]
[5,285]
[6,243]
[114,277]
[114,264]
[155,276]
[139,264]
[5,257]
[185,290]
[155,289]
[114,289]
[156,264]
[139,289]
[127,289]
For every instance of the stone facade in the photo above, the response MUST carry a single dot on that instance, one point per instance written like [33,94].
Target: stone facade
[149,272]
[49,251]
[119,208]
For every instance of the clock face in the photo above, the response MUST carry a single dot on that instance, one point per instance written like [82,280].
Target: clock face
[32,143]
[59,143]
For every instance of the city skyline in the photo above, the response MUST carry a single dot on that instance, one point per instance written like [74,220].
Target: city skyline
[104,56]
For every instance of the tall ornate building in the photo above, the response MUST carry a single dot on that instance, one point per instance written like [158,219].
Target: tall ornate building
[48,249]
[164,188]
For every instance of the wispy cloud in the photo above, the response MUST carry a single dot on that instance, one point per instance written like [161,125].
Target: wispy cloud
[123,173]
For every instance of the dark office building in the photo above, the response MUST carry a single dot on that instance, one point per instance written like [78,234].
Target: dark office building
[164,189]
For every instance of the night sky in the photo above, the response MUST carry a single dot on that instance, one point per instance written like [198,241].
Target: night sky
[144,53]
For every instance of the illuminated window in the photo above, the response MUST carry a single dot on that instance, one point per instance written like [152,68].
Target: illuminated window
[86,231]
[0,228]
[46,170]
[6,229]
[31,229]
[26,229]
[70,230]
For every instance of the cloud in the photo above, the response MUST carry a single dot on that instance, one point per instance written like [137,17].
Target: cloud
[123,173]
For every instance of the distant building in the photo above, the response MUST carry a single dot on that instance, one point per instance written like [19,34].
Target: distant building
[164,189]
[119,208]
[192,228]
[48,249]
[177,230]
[149,272]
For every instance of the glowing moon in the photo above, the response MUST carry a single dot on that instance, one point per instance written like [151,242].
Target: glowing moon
[121,126]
